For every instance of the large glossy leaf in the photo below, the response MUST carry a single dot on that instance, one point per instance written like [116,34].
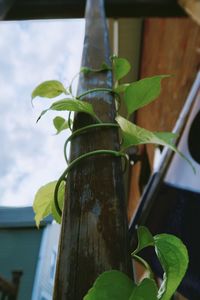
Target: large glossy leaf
[43,200]
[173,257]
[145,239]
[142,92]
[111,285]
[135,135]
[60,124]
[70,105]
[121,67]
[61,194]
[146,290]
[49,89]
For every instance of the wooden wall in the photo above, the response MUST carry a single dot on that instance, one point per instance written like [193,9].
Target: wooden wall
[169,46]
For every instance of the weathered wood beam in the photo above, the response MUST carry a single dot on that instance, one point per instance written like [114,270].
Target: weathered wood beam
[94,228]
[5,6]
[50,9]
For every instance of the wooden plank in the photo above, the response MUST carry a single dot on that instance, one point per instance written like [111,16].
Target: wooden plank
[5,6]
[170,46]
[49,9]
[94,230]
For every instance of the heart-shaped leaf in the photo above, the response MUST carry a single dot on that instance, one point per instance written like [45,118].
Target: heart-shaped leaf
[60,124]
[135,135]
[173,257]
[121,67]
[111,285]
[146,290]
[49,89]
[142,92]
[70,105]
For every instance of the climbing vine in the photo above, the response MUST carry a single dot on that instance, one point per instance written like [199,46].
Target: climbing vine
[49,198]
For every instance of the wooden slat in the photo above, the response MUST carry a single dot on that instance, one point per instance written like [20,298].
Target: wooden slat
[44,9]
[94,230]
[170,46]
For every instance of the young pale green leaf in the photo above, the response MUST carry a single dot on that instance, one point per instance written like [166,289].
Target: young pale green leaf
[60,124]
[145,239]
[49,89]
[111,285]
[173,257]
[146,290]
[43,200]
[142,92]
[121,88]
[135,135]
[70,105]
[121,67]
[61,194]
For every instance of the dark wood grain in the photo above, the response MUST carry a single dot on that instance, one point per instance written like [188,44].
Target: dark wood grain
[48,9]
[94,229]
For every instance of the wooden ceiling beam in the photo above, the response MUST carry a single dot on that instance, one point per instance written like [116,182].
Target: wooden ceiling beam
[51,9]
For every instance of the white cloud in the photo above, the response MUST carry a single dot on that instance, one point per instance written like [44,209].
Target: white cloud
[31,52]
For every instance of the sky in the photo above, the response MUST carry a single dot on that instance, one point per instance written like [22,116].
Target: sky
[32,52]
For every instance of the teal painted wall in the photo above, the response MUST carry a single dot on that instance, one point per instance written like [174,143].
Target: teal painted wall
[19,250]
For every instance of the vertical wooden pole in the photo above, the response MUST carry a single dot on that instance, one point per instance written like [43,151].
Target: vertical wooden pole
[94,228]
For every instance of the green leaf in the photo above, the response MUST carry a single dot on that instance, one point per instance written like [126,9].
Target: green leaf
[121,67]
[60,124]
[70,105]
[145,239]
[111,285]
[43,200]
[173,257]
[61,194]
[121,88]
[142,92]
[49,89]
[135,135]
[146,290]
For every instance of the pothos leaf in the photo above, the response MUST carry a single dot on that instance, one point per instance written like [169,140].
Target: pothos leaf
[142,92]
[49,89]
[70,105]
[42,201]
[135,135]
[173,257]
[111,285]
[145,239]
[146,290]
[121,88]
[60,124]
[121,67]
[43,204]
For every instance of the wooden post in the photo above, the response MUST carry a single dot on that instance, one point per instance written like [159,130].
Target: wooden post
[94,228]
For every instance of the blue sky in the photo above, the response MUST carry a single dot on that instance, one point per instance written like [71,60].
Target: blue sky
[30,153]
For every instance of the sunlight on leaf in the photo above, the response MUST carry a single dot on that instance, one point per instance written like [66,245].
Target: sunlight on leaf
[173,257]
[70,105]
[135,135]
[42,201]
[111,285]
[121,67]
[146,290]
[142,92]
[60,124]
[49,89]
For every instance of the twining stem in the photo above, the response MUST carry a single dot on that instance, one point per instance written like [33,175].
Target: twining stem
[96,90]
[84,130]
[75,162]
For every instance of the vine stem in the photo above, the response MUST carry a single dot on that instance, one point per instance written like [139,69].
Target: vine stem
[96,90]
[84,130]
[75,162]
